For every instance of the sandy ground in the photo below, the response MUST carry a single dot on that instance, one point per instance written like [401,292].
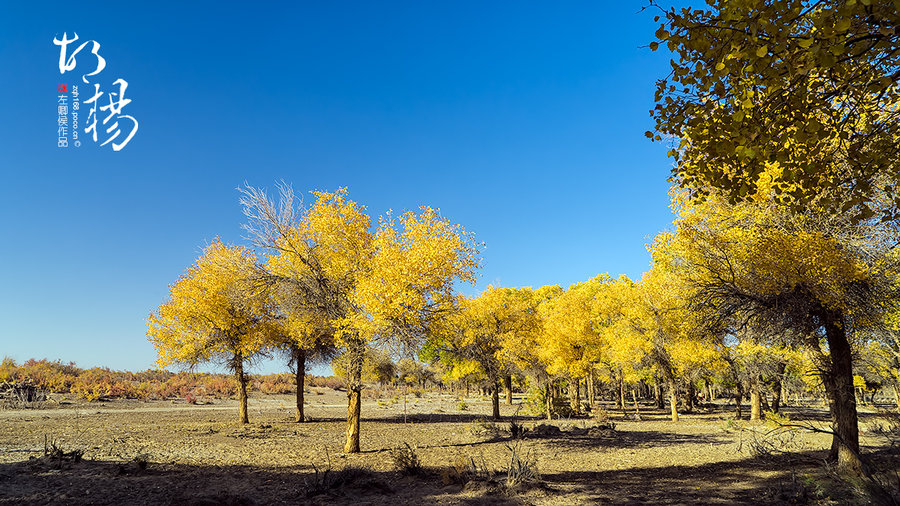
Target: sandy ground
[169,452]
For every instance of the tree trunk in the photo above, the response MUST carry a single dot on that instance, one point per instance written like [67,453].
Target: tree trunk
[673,399]
[637,407]
[839,387]
[691,396]
[620,393]
[356,349]
[548,397]
[495,401]
[242,387]
[657,394]
[590,389]
[508,380]
[776,388]
[738,398]
[709,391]
[754,399]
[300,359]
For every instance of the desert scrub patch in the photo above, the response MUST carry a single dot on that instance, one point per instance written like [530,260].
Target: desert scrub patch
[767,443]
[406,459]
[774,419]
[485,427]
[730,425]
[517,430]
[464,469]
[57,456]
[346,482]
[521,469]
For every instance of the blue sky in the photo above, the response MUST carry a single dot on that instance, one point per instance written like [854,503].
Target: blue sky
[523,123]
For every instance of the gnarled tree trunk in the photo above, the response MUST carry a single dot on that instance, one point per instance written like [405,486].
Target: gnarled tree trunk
[839,388]
[754,399]
[548,397]
[356,349]
[590,389]
[300,360]
[508,381]
[637,406]
[620,393]
[777,387]
[495,400]
[673,398]
[238,365]
[690,397]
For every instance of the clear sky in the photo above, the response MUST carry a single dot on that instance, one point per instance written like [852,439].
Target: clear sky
[522,122]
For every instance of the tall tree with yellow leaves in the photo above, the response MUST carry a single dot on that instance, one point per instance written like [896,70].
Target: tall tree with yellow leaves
[573,345]
[214,315]
[824,276]
[387,285]
[482,329]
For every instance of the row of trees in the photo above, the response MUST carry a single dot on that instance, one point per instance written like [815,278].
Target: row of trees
[735,290]
[785,123]
[326,282]
[784,119]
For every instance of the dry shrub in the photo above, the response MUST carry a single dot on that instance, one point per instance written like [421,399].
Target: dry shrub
[485,427]
[887,426]
[466,469]
[599,414]
[521,470]
[21,395]
[331,382]
[544,429]
[517,430]
[406,460]
[346,482]
[770,443]
[284,383]
[56,456]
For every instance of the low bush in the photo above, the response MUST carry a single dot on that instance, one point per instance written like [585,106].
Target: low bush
[406,460]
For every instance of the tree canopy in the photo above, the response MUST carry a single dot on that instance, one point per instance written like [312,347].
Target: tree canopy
[809,85]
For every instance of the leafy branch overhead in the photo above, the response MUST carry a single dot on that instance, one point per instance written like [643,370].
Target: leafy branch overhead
[811,87]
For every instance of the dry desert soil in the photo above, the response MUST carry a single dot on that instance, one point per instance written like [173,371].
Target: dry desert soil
[171,452]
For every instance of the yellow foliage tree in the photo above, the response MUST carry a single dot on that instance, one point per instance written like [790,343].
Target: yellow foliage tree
[483,330]
[213,314]
[572,344]
[824,276]
[364,287]
[811,85]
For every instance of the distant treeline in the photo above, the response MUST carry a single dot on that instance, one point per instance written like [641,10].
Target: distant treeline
[102,383]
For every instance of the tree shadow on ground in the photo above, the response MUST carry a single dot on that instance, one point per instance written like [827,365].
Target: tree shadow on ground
[426,418]
[627,439]
[794,478]
[775,480]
